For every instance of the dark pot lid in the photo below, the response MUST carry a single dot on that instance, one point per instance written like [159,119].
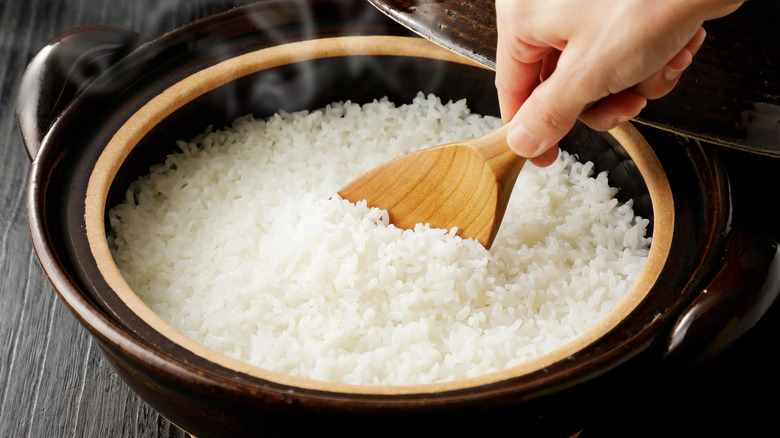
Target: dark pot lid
[187,389]
[730,95]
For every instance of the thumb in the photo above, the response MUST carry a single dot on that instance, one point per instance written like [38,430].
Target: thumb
[543,119]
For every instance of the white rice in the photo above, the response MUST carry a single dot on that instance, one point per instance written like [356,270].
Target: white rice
[240,243]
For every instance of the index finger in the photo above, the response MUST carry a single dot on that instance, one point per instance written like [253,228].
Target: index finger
[518,70]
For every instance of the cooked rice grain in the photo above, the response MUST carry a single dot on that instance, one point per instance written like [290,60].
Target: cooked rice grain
[238,242]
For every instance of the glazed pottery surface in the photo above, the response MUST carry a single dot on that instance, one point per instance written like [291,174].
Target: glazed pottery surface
[67,140]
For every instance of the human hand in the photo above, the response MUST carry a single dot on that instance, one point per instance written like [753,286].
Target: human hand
[598,61]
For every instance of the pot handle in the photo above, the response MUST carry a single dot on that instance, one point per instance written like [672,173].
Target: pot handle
[738,296]
[60,72]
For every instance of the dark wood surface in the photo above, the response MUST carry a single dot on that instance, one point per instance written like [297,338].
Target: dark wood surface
[54,381]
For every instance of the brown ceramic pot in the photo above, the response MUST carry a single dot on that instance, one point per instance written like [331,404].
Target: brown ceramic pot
[99,105]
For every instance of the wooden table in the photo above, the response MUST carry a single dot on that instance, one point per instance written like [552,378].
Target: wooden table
[54,381]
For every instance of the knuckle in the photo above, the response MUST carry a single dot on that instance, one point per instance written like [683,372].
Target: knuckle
[550,117]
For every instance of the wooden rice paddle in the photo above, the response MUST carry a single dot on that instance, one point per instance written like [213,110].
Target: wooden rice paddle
[464,184]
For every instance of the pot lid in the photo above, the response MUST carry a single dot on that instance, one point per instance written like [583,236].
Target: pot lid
[729,96]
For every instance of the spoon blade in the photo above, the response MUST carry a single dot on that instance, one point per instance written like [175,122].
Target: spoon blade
[444,186]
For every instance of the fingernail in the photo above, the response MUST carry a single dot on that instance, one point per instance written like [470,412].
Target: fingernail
[672,74]
[522,142]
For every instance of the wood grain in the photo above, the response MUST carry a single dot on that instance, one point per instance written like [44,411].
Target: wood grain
[54,381]
[464,185]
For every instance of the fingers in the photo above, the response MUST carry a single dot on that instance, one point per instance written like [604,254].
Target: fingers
[514,86]
[550,72]
[519,75]
[548,113]
[549,62]
[613,110]
[618,108]
[723,11]
[546,158]
[661,82]
[538,113]
[570,73]
[520,65]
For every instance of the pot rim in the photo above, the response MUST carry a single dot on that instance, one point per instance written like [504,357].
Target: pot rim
[212,77]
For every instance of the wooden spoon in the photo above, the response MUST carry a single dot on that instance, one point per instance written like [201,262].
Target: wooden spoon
[464,184]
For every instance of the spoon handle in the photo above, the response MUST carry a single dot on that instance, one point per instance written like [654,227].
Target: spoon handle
[504,163]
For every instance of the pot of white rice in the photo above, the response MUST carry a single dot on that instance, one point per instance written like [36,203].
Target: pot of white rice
[184,205]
